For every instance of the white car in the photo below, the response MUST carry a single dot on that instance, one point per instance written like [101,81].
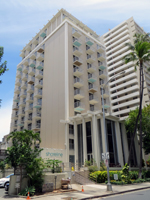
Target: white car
[5,180]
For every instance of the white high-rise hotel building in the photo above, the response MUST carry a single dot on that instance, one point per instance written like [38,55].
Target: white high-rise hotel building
[58,92]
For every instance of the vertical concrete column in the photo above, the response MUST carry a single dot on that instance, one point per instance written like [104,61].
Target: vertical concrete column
[125,142]
[119,144]
[95,141]
[76,145]
[103,136]
[67,141]
[84,140]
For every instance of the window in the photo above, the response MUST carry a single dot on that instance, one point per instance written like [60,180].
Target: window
[71,129]
[91,107]
[71,144]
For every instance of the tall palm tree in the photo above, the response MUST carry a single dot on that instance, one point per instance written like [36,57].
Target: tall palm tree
[140,53]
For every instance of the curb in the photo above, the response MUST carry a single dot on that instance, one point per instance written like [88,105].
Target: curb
[115,193]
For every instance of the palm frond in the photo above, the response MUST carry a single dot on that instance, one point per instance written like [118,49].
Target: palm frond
[130,46]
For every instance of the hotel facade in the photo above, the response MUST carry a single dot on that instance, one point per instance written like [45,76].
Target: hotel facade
[58,94]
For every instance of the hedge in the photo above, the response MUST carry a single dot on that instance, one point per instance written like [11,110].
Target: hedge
[101,176]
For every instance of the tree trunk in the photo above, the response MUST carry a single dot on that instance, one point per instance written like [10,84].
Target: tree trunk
[140,166]
[140,107]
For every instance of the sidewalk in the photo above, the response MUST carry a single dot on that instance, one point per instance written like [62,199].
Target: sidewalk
[91,191]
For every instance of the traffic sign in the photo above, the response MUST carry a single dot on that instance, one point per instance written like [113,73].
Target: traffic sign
[115,176]
[105,156]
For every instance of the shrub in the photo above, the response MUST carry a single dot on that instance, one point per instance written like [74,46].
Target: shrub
[133,175]
[31,190]
[93,168]
[102,166]
[145,174]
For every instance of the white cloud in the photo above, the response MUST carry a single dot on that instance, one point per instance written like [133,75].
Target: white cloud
[5,118]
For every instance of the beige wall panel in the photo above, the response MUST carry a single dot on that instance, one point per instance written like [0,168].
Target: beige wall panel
[58,20]
[53,104]
[53,24]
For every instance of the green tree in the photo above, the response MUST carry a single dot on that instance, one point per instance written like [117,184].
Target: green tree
[140,53]
[23,151]
[3,66]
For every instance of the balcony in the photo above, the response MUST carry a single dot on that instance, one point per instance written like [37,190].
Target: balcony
[76,33]
[38,93]
[102,67]
[30,89]
[19,74]
[36,127]
[77,51]
[92,88]
[15,115]
[14,125]
[78,106]
[100,49]
[31,80]
[26,62]
[23,93]
[78,82]
[106,106]
[33,56]
[22,103]
[100,56]
[35,41]
[15,107]
[25,77]
[24,85]
[40,56]
[78,94]
[77,61]
[41,49]
[105,94]
[16,98]
[91,68]
[90,59]
[90,50]
[21,123]
[77,42]
[91,78]
[19,68]
[31,71]
[40,66]
[21,112]
[102,74]
[102,82]
[22,54]
[89,42]
[43,34]
[25,69]
[28,48]
[77,72]
[18,82]
[39,83]
[17,89]
[29,108]
[39,74]
[37,115]
[28,119]
[93,100]
[33,63]
[29,98]
[37,104]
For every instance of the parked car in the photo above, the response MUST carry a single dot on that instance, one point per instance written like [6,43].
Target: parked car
[4,181]
[6,186]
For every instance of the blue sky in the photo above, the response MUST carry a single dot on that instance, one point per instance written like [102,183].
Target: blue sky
[20,20]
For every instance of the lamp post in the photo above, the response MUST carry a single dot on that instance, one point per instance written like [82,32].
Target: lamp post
[109,186]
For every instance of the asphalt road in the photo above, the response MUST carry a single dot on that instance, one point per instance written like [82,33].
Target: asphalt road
[140,195]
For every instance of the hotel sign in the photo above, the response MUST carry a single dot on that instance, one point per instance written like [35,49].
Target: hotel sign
[54,154]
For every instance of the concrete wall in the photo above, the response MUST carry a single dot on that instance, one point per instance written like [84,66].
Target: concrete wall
[50,178]
[53,99]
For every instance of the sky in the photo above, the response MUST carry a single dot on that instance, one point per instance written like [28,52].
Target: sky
[20,20]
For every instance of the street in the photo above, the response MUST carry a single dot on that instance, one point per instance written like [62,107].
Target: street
[140,195]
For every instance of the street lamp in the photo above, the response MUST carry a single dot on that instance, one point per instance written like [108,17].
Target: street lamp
[109,186]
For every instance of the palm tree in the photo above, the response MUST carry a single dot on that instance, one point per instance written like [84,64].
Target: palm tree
[140,53]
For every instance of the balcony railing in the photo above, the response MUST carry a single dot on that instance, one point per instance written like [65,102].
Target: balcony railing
[38,93]
[37,104]
[39,74]
[26,62]
[102,74]
[29,108]
[78,106]
[40,56]
[33,63]
[19,74]
[77,61]
[101,57]
[23,93]
[90,49]
[90,58]
[100,49]
[31,80]
[30,88]
[33,56]
[15,107]
[89,42]
[92,88]
[38,83]
[77,51]
[25,69]
[21,112]
[41,48]
[25,77]
[40,66]
[17,89]
[37,115]
[77,42]
[18,82]
[91,68]
[76,33]
[30,98]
